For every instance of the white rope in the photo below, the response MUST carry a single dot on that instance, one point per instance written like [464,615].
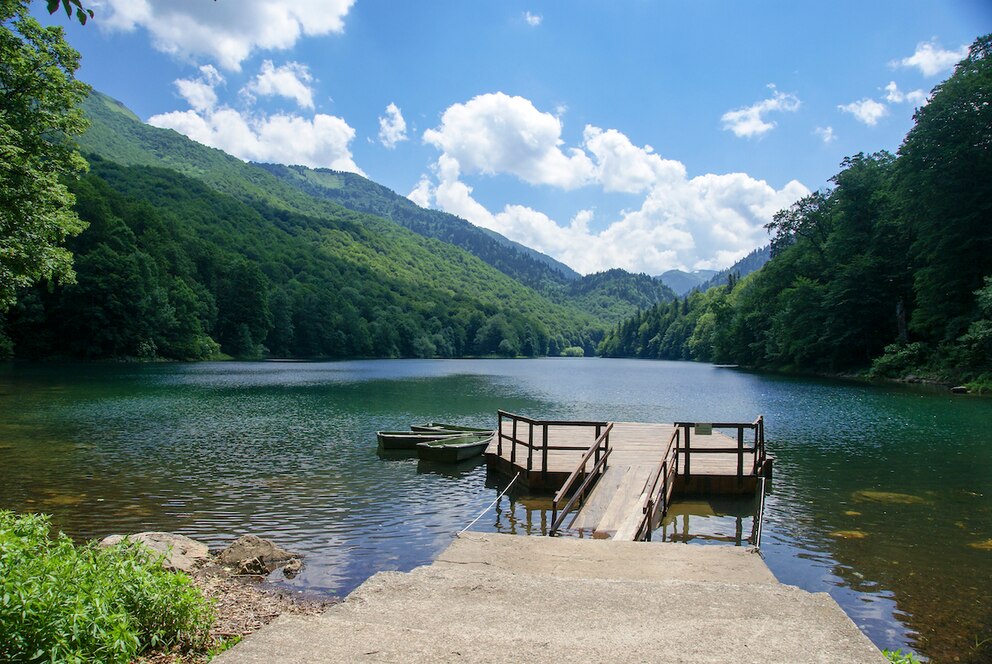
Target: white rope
[483,513]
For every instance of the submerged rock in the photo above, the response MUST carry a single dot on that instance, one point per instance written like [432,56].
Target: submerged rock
[178,552]
[984,546]
[292,568]
[849,534]
[889,497]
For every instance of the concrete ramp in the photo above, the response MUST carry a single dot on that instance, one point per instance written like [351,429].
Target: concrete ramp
[504,598]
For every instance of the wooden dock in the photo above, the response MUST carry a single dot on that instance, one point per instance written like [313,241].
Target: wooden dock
[616,479]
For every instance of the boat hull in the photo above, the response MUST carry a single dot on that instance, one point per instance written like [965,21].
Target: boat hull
[453,451]
[408,440]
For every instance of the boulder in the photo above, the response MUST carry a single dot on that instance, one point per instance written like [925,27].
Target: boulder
[253,566]
[178,552]
[247,547]
[959,389]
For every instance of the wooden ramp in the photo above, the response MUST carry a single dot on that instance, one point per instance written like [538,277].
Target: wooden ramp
[619,476]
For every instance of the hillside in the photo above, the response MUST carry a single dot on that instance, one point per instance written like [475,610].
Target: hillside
[745,266]
[117,135]
[362,195]
[190,251]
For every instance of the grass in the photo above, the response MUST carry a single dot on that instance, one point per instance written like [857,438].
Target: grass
[67,603]
[900,657]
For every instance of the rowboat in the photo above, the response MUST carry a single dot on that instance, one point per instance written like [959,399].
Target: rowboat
[455,448]
[408,440]
[441,426]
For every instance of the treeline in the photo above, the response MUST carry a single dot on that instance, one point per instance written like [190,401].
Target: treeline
[889,270]
[170,268]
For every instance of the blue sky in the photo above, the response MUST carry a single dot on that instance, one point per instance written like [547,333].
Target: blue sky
[643,135]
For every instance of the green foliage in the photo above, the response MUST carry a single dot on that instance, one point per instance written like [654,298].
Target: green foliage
[70,6]
[899,657]
[62,602]
[573,351]
[39,99]
[891,269]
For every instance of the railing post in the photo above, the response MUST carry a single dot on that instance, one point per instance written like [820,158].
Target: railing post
[513,446]
[499,433]
[544,453]
[530,447]
[685,427]
[598,432]
[740,455]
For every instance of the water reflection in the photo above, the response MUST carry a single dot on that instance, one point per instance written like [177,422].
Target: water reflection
[288,451]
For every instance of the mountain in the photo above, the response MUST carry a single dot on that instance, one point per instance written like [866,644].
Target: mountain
[681,282]
[363,195]
[617,294]
[116,134]
[190,251]
[745,266]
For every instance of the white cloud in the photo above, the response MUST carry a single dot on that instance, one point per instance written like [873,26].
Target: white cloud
[750,121]
[392,127]
[826,134]
[622,166]
[533,19]
[497,133]
[691,223]
[322,141]
[896,96]
[423,193]
[291,80]
[199,92]
[227,32]
[866,110]
[931,60]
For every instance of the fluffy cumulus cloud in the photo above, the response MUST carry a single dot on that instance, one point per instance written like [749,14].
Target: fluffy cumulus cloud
[866,111]
[896,96]
[497,133]
[318,141]
[392,127]
[226,32]
[750,120]
[706,221]
[291,81]
[533,20]
[931,59]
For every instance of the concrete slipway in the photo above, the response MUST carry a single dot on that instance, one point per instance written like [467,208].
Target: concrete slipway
[508,598]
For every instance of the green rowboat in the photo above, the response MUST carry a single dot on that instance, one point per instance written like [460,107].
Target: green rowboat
[408,440]
[441,426]
[455,448]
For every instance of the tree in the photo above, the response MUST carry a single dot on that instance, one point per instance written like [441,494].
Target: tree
[945,180]
[39,112]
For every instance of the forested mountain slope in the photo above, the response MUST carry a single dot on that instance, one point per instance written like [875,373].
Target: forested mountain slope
[361,194]
[169,267]
[891,269]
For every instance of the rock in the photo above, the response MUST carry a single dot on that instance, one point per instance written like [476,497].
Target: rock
[253,566]
[178,552]
[959,389]
[292,568]
[911,378]
[247,547]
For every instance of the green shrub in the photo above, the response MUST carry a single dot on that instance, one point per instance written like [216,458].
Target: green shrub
[61,602]
[900,657]
[900,360]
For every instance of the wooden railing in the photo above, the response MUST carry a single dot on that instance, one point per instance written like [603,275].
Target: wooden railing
[600,449]
[685,449]
[522,435]
[659,487]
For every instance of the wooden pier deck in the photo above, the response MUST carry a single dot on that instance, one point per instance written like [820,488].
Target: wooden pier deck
[619,477]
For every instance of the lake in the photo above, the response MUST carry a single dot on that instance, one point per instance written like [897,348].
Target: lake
[882,496]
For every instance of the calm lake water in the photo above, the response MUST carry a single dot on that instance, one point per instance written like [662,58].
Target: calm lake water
[288,451]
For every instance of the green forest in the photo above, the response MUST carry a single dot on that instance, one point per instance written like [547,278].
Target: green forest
[887,272]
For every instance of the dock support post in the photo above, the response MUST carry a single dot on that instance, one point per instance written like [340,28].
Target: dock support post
[740,455]
[544,454]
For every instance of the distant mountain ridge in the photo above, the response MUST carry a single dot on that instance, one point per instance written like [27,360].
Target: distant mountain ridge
[681,282]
